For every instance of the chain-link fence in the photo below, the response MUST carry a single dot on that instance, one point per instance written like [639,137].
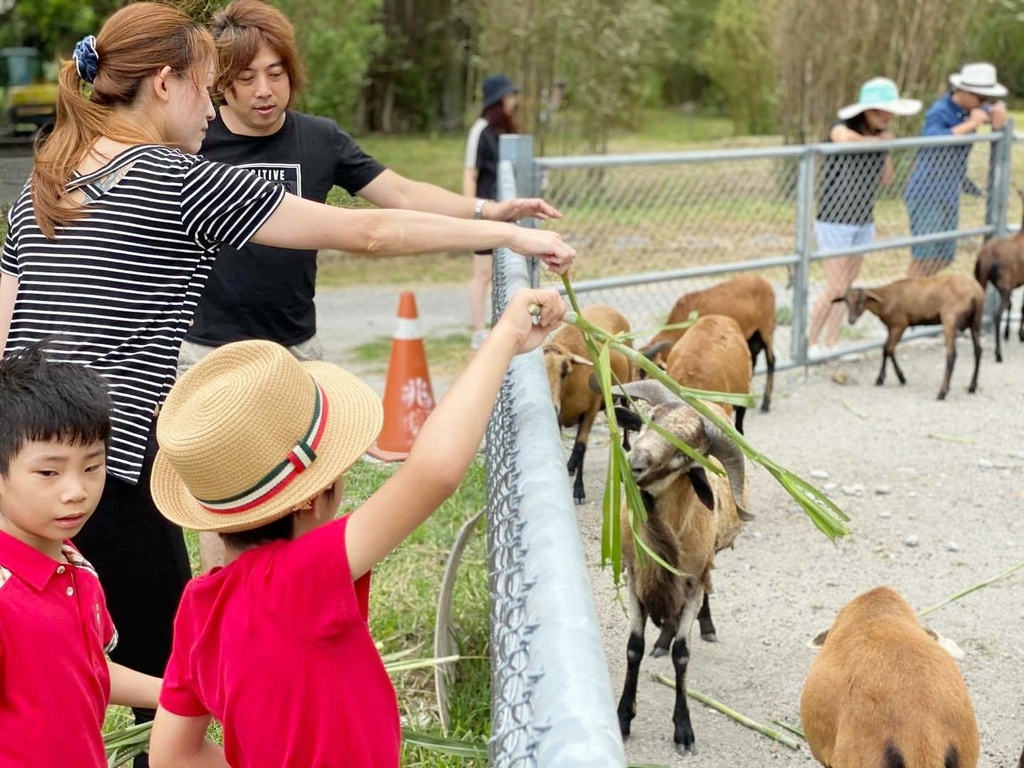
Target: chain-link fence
[812,220]
[551,699]
[650,228]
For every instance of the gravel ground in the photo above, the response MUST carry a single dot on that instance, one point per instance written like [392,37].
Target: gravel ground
[930,516]
[935,491]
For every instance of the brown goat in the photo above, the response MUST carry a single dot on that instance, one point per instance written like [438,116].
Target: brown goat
[954,301]
[568,364]
[713,355]
[1001,262]
[883,694]
[749,300]
[690,516]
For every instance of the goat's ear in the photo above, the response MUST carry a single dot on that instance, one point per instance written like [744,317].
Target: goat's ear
[873,296]
[655,349]
[819,639]
[580,360]
[701,486]
[628,420]
[839,300]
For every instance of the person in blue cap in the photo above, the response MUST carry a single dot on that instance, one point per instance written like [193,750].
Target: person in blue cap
[846,203]
[480,180]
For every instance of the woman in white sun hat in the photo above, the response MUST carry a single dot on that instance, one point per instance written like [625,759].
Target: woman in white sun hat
[846,204]
[933,192]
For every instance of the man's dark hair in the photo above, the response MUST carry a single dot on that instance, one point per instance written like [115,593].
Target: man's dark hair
[282,529]
[42,399]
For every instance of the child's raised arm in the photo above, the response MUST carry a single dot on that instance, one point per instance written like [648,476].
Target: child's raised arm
[449,439]
[180,742]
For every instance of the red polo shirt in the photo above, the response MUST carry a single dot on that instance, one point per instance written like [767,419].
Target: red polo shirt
[54,680]
[276,647]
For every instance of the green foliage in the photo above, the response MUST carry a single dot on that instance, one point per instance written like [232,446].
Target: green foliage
[336,41]
[997,35]
[53,26]
[739,56]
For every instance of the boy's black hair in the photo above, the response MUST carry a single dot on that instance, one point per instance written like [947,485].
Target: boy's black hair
[42,399]
[282,529]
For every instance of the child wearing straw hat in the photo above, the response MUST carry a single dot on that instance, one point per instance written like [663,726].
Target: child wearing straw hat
[275,645]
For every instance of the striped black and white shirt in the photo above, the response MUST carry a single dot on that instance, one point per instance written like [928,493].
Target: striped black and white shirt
[119,286]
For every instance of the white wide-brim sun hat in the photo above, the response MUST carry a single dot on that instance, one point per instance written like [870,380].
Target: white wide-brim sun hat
[979,78]
[882,94]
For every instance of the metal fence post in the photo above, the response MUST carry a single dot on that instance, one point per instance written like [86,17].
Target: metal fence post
[997,204]
[518,150]
[802,269]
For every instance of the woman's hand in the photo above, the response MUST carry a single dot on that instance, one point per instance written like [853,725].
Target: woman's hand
[531,328]
[520,208]
[547,246]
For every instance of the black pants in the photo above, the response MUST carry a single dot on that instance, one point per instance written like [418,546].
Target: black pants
[143,566]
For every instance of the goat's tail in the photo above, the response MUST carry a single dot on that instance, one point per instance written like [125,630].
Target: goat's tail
[987,268]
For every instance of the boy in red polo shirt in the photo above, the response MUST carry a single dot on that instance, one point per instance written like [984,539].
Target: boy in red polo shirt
[275,645]
[55,680]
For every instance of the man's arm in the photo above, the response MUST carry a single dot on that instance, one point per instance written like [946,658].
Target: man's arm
[392,190]
[180,742]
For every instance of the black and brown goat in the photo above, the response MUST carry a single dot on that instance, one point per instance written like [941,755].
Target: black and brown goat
[1001,262]
[955,302]
[690,516]
[569,366]
[747,299]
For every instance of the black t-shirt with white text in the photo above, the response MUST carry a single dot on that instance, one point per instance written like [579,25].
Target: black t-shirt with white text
[260,292]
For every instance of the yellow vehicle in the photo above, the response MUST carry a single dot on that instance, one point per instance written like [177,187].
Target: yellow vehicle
[29,100]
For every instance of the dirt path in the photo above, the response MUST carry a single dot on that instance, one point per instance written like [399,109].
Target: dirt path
[962,498]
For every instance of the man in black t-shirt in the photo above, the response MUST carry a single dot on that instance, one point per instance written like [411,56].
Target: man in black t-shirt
[267,293]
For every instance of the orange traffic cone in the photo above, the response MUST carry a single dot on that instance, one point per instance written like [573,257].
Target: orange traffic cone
[408,397]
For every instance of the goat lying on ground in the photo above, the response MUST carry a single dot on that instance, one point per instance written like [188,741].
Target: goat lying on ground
[569,366]
[713,356]
[749,300]
[690,515]
[1001,262]
[883,693]
[954,301]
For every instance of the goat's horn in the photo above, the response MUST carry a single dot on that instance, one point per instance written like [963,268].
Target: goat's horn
[655,349]
[727,452]
[654,392]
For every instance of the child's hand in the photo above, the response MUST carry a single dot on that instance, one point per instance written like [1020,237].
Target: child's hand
[518,319]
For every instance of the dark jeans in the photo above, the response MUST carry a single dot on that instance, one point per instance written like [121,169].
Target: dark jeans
[143,566]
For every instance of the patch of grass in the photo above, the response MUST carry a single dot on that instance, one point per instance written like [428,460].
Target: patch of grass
[446,355]
[403,601]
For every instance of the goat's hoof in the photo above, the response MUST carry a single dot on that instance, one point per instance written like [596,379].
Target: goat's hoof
[972,390]
[684,750]
[942,396]
[580,499]
[879,382]
[710,637]
[657,653]
[764,408]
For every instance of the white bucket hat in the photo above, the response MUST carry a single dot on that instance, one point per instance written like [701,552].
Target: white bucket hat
[980,79]
[882,94]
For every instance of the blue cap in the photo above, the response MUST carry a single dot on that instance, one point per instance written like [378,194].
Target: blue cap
[496,87]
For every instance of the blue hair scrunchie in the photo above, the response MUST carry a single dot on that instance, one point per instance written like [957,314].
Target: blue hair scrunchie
[87,60]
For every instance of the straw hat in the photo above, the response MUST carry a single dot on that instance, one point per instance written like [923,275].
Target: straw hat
[250,433]
[978,78]
[882,94]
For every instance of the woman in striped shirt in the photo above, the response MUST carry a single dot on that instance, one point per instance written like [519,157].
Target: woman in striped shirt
[108,249]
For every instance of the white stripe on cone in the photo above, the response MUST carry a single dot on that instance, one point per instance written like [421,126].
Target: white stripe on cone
[408,330]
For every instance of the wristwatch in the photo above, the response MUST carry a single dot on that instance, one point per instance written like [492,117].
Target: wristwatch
[478,209]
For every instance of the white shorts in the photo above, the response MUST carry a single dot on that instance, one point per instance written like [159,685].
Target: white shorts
[832,236]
